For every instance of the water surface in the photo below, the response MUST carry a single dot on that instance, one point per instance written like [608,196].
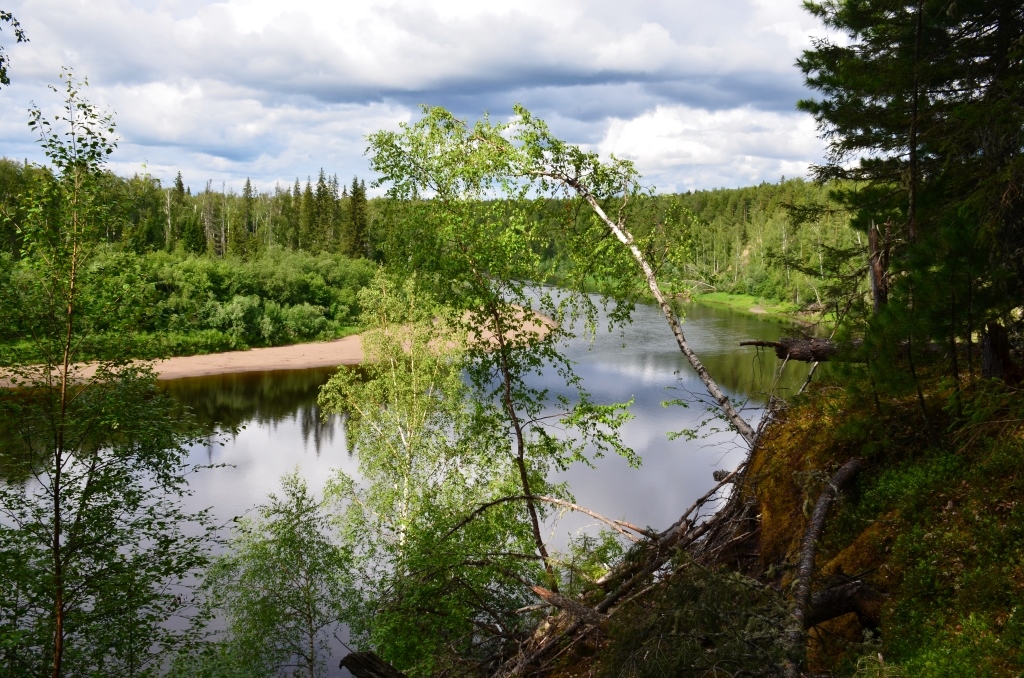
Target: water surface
[280,427]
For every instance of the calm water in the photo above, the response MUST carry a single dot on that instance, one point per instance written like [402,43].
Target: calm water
[280,428]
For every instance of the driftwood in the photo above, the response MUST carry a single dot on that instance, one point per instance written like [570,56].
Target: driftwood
[808,350]
[369,665]
[805,568]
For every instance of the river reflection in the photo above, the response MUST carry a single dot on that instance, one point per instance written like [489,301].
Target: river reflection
[279,429]
[263,399]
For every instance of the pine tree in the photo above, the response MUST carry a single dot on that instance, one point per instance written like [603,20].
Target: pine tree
[927,96]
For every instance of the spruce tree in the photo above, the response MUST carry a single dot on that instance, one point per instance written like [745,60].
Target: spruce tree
[360,245]
[248,208]
[295,216]
[926,98]
[179,187]
[323,211]
[307,218]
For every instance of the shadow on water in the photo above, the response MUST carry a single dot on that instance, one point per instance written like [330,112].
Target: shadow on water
[260,399]
[642,353]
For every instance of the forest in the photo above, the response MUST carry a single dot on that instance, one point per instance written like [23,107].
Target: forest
[872,528]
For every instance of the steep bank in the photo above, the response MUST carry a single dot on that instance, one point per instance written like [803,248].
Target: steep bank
[928,535]
[933,524]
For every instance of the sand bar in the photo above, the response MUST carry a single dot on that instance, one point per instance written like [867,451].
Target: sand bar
[344,351]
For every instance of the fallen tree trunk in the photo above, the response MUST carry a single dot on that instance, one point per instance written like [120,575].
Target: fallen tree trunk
[803,349]
[657,551]
[849,596]
[369,665]
[804,570]
[574,608]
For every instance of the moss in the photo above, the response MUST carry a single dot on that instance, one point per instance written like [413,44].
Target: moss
[935,522]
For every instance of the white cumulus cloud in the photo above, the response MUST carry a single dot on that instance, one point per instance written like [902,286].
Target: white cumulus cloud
[699,94]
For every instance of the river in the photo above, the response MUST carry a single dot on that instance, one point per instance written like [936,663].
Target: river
[280,428]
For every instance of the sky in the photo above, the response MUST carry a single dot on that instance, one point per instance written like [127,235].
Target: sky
[698,94]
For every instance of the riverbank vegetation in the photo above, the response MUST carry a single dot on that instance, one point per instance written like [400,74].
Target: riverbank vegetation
[872,530]
[188,304]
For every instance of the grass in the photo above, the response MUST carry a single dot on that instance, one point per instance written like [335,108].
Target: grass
[750,304]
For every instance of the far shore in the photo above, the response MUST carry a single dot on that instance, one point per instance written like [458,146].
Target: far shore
[345,351]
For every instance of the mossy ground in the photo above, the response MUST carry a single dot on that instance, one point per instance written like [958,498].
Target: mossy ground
[935,523]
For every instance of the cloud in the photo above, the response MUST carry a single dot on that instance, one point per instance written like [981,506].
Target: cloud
[257,87]
[687,148]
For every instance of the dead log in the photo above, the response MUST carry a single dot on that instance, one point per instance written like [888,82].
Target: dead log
[805,568]
[803,349]
[577,610]
[850,595]
[369,665]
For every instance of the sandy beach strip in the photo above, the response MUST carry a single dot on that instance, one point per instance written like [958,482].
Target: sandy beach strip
[344,351]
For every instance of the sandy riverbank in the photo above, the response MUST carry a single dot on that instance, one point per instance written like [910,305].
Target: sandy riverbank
[345,351]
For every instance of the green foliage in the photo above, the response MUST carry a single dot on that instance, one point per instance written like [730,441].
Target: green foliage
[19,36]
[114,463]
[143,216]
[359,233]
[183,305]
[425,461]
[787,242]
[920,104]
[95,545]
[282,588]
[934,523]
[587,559]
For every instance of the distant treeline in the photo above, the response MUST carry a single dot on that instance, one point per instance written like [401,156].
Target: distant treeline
[776,241]
[784,241]
[143,216]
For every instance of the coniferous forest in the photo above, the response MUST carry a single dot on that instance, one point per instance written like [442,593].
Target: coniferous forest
[871,527]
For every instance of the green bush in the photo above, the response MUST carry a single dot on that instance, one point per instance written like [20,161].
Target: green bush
[191,304]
